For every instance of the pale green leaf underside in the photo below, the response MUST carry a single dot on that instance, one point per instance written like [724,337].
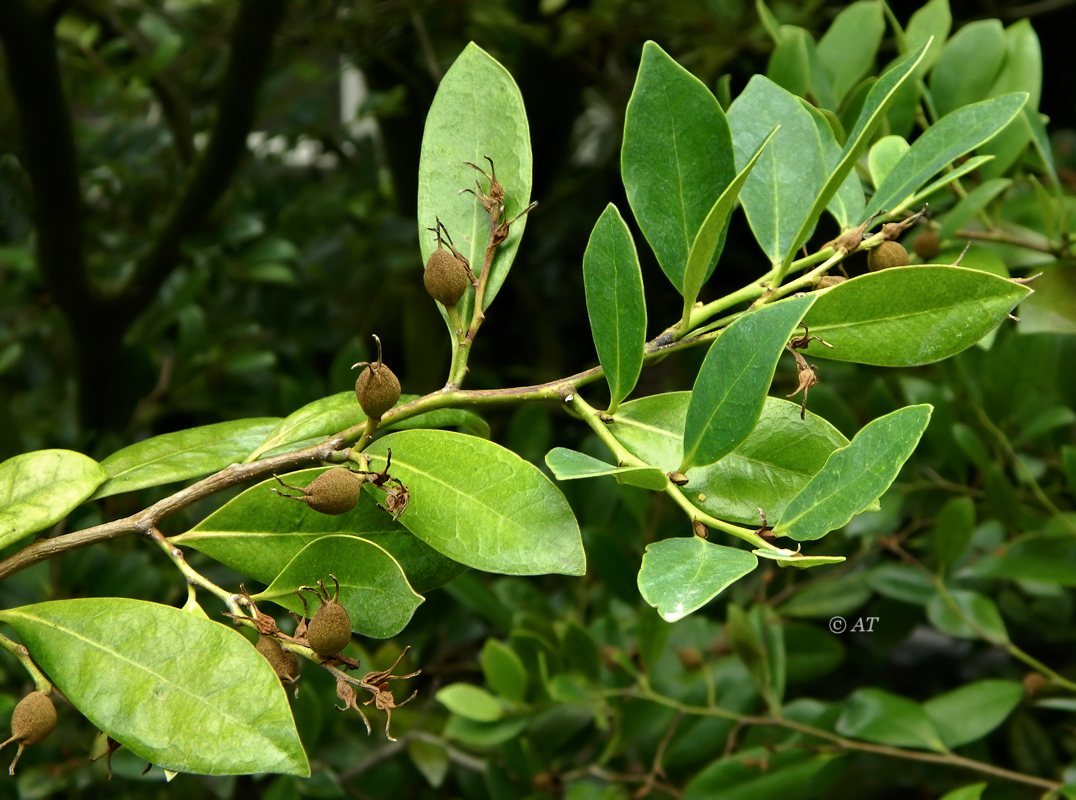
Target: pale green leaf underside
[482,505]
[373,588]
[907,316]
[477,112]
[735,376]
[616,304]
[788,558]
[569,465]
[178,690]
[39,489]
[181,455]
[679,576]
[854,476]
[766,470]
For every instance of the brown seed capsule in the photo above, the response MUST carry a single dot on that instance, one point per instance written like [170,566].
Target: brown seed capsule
[830,280]
[886,255]
[377,388]
[32,720]
[329,631]
[284,662]
[445,277]
[926,245]
[335,491]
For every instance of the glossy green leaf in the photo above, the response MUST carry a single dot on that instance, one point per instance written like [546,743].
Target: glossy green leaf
[971,204]
[854,476]
[779,192]
[885,718]
[790,558]
[789,775]
[1042,557]
[850,44]
[706,248]
[258,533]
[884,155]
[967,615]
[679,576]
[790,62]
[676,157]
[972,791]
[470,702]
[968,165]
[734,379]
[878,100]
[943,143]
[322,417]
[482,505]
[902,582]
[459,418]
[39,489]
[837,595]
[616,305]
[568,465]
[968,66]
[973,710]
[1021,72]
[930,23]
[907,316]
[503,670]
[178,690]
[373,587]
[184,454]
[477,112]
[767,469]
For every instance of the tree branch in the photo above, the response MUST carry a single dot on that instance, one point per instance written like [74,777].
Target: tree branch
[250,50]
[27,31]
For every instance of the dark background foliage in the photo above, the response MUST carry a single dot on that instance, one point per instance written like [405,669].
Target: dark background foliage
[168,295]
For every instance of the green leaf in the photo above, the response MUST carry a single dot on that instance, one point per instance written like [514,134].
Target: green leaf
[429,758]
[1022,72]
[1042,557]
[789,558]
[901,582]
[504,670]
[184,454]
[970,164]
[767,469]
[373,587]
[907,316]
[971,204]
[854,476]
[941,144]
[952,531]
[477,112]
[679,576]
[470,702]
[878,100]
[787,776]
[482,505]
[970,712]
[322,417]
[39,489]
[837,595]
[973,791]
[706,248]
[735,376]
[676,158]
[933,20]
[178,690]
[258,533]
[782,187]
[970,615]
[968,66]
[616,305]
[884,155]
[847,203]
[568,465]
[878,716]
[850,44]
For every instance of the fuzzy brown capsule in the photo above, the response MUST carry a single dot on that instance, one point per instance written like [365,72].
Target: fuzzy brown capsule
[377,388]
[926,245]
[445,277]
[284,662]
[886,255]
[335,491]
[329,631]
[32,720]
